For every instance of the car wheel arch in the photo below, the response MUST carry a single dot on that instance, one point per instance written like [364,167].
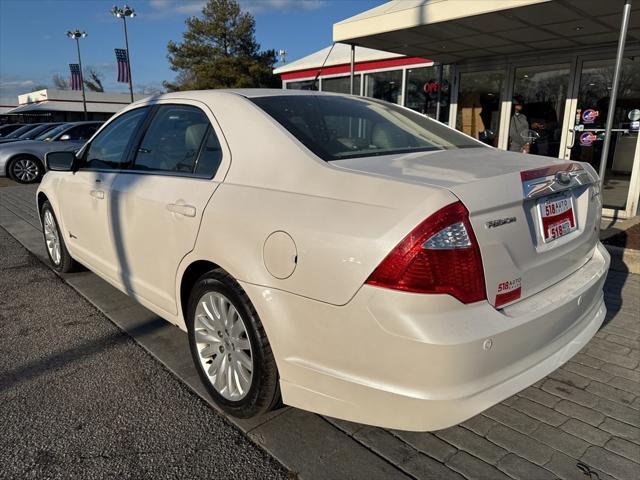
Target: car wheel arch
[41,198]
[190,276]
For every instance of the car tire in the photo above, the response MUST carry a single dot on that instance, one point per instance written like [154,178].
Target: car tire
[223,344]
[26,170]
[56,249]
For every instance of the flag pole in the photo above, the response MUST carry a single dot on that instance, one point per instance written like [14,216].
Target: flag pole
[123,13]
[84,97]
[126,41]
[77,35]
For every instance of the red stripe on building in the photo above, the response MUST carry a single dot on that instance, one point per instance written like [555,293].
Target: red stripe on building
[359,67]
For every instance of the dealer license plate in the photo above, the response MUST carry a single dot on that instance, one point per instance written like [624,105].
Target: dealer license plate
[557,217]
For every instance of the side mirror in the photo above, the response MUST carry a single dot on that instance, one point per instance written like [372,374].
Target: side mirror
[60,161]
[65,137]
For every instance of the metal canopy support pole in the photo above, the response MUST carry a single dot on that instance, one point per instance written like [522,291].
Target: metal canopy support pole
[84,98]
[353,65]
[439,94]
[614,91]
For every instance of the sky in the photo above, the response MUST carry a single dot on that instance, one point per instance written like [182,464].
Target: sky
[34,47]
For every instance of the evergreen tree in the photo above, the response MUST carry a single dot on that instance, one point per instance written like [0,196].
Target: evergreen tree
[219,50]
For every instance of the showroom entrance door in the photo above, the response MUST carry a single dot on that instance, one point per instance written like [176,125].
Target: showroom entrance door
[585,138]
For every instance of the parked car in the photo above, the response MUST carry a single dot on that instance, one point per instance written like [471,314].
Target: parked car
[24,161]
[30,134]
[354,257]
[8,128]
[23,129]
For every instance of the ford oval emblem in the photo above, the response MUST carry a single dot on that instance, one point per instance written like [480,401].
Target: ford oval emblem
[563,177]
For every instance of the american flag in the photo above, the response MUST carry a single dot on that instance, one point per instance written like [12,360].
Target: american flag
[76,76]
[123,65]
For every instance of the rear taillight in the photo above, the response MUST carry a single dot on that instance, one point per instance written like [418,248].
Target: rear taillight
[440,255]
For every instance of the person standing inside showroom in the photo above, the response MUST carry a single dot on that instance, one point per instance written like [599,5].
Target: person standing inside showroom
[518,127]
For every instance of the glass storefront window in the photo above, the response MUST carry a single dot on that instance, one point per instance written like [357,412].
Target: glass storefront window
[303,85]
[341,84]
[542,92]
[384,85]
[426,87]
[479,105]
[590,120]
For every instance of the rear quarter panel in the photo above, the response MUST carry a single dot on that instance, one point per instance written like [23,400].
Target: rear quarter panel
[342,223]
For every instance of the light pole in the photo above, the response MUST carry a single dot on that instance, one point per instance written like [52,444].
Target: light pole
[77,35]
[123,13]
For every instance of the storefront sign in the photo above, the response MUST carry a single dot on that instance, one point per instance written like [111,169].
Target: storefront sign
[431,87]
[587,139]
[590,115]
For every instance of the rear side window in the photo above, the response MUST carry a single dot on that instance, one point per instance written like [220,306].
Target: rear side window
[210,156]
[109,148]
[173,140]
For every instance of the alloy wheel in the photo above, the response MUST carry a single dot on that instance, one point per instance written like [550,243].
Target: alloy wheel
[51,237]
[25,170]
[223,346]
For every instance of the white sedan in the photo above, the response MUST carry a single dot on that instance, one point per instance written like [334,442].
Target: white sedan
[344,255]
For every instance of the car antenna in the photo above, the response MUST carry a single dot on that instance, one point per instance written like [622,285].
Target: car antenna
[322,66]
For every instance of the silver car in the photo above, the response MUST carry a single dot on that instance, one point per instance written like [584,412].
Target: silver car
[24,161]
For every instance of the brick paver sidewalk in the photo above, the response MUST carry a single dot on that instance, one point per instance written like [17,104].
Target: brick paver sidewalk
[581,422]
[583,417]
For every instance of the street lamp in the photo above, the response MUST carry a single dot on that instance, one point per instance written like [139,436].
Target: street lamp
[123,13]
[77,35]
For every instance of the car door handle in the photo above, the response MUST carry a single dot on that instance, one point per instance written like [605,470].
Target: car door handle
[185,210]
[99,194]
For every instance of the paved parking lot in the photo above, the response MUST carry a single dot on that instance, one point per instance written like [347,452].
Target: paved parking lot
[79,399]
[581,422]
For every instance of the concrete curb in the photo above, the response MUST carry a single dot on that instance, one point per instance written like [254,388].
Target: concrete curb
[624,260]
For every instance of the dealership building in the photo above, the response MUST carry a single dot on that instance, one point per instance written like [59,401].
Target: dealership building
[49,105]
[466,62]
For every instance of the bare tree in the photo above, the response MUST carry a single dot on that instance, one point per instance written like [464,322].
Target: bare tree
[60,82]
[93,79]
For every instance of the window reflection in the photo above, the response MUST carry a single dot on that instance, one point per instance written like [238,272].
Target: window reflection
[384,85]
[426,87]
[543,93]
[479,105]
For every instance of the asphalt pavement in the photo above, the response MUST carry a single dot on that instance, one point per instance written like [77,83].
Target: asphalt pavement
[80,399]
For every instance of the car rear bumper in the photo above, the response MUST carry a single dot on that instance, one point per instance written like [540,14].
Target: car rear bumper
[425,362]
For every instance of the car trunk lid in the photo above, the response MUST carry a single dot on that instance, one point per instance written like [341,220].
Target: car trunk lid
[536,219]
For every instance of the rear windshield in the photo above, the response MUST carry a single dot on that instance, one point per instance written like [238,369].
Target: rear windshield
[340,127]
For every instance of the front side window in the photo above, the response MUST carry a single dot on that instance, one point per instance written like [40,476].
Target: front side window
[339,127]
[109,148]
[173,140]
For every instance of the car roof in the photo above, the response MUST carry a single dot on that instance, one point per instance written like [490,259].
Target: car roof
[72,124]
[244,92]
